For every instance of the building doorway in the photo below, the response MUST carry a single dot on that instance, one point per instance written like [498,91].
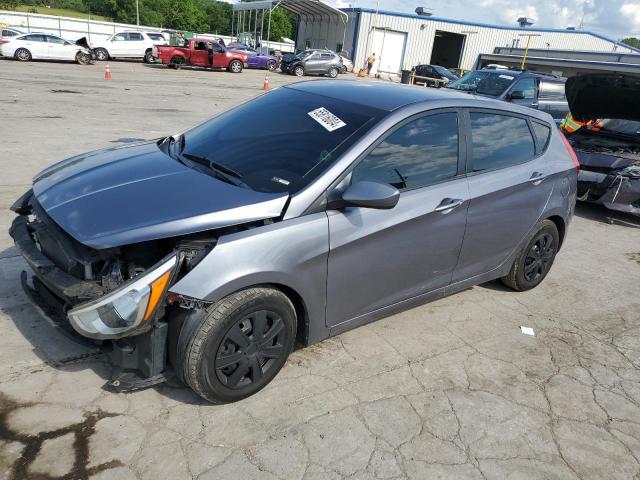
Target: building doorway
[388,45]
[447,49]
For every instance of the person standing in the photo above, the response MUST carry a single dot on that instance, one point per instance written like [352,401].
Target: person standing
[371,59]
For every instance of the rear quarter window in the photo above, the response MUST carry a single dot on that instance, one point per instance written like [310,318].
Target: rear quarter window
[155,36]
[499,141]
[542,133]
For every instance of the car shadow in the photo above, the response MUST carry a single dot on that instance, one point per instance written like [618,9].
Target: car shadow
[601,214]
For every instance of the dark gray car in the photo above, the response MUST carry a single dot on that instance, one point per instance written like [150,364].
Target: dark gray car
[314,62]
[530,89]
[311,210]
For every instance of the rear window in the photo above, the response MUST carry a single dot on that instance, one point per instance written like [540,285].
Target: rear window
[283,140]
[499,141]
[551,91]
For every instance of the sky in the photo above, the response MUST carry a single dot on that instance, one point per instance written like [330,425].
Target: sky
[615,18]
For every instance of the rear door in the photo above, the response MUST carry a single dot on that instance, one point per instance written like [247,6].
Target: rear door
[380,257]
[135,45]
[552,99]
[37,45]
[508,189]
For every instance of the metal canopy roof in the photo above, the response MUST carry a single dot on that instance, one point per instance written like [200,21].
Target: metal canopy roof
[307,9]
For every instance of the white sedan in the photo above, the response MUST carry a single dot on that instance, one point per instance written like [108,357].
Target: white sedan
[42,46]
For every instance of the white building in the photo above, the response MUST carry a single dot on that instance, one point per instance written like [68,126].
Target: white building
[402,40]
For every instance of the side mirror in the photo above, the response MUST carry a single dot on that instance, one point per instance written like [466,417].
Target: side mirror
[516,95]
[371,195]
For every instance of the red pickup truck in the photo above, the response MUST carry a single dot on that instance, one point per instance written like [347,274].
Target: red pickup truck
[201,52]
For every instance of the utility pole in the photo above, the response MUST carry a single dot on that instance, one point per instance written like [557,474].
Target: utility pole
[526,50]
[137,13]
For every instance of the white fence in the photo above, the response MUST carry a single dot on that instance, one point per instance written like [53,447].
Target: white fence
[75,28]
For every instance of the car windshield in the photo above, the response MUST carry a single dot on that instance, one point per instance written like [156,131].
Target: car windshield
[483,82]
[625,127]
[280,141]
[444,72]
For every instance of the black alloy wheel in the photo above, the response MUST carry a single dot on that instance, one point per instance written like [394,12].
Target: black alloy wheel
[538,260]
[250,349]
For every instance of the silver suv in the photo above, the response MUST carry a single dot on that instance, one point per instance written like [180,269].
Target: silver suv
[308,211]
[314,62]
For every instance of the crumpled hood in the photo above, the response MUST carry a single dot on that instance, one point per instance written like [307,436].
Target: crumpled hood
[604,95]
[124,195]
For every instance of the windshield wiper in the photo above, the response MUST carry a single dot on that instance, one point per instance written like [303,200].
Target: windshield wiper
[222,171]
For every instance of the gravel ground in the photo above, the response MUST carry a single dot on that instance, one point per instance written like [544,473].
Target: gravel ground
[451,389]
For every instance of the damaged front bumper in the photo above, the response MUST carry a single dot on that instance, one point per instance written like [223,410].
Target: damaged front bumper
[617,190]
[138,361]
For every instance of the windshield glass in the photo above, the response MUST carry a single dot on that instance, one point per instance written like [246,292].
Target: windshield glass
[483,82]
[444,72]
[626,127]
[281,141]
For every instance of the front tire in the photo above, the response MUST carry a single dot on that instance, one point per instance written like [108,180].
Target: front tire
[298,71]
[23,55]
[536,258]
[240,345]
[101,55]
[83,58]
[235,66]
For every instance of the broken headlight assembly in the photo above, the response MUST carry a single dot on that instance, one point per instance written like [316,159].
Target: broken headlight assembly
[124,310]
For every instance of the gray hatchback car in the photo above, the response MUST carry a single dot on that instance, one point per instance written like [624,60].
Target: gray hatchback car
[308,211]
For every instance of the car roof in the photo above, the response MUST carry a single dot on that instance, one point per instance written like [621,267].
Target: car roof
[516,73]
[382,96]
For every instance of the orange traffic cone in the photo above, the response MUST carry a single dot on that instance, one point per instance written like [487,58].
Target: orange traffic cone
[265,85]
[107,73]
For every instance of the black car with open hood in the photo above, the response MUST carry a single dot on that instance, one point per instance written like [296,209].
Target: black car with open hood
[608,143]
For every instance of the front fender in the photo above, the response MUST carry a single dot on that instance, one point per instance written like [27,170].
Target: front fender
[292,253]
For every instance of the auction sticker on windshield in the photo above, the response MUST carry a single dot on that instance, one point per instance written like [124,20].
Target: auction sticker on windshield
[507,77]
[327,119]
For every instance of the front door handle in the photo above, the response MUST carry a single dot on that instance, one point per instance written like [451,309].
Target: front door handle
[448,204]
[537,178]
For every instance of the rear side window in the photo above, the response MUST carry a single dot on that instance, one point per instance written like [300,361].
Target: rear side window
[34,38]
[551,91]
[420,153]
[135,37]
[542,133]
[499,141]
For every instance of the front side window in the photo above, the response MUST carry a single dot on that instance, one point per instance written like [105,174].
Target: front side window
[499,141]
[282,141]
[121,37]
[135,37]
[527,86]
[420,153]
[216,47]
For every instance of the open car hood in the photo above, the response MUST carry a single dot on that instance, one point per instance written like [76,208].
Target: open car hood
[82,42]
[604,95]
[137,193]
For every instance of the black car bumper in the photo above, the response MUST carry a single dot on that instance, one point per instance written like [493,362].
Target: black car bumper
[138,361]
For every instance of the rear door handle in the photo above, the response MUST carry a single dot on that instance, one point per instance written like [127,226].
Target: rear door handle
[537,178]
[448,204]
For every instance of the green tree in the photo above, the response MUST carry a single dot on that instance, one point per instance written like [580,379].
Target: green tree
[281,24]
[632,42]
[9,4]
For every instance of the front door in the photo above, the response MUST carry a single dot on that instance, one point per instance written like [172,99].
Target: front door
[118,47]
[527,88]
[508,190]
[313,64]
[201,53]
[381,257]
[219,56]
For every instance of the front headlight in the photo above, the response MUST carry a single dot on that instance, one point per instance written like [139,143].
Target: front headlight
[123,310]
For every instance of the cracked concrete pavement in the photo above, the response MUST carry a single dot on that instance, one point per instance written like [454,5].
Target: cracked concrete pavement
[451,389]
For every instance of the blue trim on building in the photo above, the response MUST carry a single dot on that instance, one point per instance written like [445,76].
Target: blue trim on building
[356,34]
[487,25]
[531,59]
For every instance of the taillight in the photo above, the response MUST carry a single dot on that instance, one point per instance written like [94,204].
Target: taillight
[3,41]
[571,152]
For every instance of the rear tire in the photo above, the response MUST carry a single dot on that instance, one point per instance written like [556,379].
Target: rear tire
[235,66]
[101,54]
[534,261]
[148,57]
[241,344]
[333,72]
[23,55]
[271,65]
[177,62]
